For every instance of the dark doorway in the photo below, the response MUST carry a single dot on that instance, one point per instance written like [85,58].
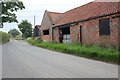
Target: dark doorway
[81,35]
[65,35]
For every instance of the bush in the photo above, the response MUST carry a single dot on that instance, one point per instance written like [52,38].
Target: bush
[4,37]
[19,37]
[92,52]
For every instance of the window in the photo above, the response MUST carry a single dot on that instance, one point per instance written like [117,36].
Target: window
[104,27]
[46,32]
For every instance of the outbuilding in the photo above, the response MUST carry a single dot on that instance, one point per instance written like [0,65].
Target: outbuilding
[48,22]
[36,31]
[95,23]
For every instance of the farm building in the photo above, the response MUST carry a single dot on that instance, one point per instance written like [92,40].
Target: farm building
[36,31]
[48,22]
[95,23]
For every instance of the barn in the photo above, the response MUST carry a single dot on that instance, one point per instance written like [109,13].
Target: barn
[95,23]
[48,22]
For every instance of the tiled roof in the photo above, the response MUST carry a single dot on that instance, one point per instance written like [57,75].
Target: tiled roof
[49,19]
[86,11]
[54,16]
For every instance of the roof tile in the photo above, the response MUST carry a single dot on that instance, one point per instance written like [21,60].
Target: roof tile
[86,11]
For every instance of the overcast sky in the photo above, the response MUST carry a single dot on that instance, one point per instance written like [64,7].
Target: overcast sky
[37,7]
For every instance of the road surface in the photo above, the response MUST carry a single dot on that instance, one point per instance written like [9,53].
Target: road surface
[21,60]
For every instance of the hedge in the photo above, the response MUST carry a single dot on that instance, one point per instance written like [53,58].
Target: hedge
[4,37]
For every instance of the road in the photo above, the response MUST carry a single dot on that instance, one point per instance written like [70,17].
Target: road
[21,60]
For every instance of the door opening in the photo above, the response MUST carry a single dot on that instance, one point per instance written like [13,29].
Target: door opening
[81,42]
[65,35]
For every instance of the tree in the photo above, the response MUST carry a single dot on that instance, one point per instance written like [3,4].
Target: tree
[26,28]
[9,9]
[13,33]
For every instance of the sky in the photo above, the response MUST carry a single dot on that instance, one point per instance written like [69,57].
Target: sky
[37,8]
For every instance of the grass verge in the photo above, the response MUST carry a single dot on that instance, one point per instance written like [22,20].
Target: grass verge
[91,52]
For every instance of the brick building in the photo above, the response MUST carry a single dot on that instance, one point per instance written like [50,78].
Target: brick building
[47,24]
[95,23]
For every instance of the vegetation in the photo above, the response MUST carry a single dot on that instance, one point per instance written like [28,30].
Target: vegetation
[13,33]
[4,37]
[93,52]
[26,28]
[9,9]
[19,37]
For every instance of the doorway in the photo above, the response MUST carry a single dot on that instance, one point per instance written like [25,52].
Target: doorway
[81,42]
[65,35]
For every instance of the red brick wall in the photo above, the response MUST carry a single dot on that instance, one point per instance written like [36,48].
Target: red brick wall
[46,38]
[119,33]
[90,33]
[46,24]
[56,35]
[74,34]
[115,32]
[119,28]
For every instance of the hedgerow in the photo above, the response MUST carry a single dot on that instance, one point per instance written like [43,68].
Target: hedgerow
[4,37]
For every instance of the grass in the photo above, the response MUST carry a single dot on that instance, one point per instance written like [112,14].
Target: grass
[91,52]
[4,37]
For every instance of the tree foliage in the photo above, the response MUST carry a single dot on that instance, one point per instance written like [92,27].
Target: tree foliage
[13,32]
[26,28]
[9,9]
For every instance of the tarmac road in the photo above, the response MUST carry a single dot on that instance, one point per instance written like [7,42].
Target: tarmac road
[21,60]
